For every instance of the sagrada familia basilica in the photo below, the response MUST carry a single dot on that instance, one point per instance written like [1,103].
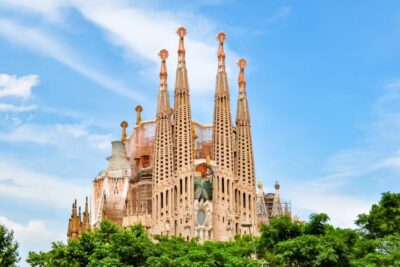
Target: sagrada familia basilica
[177,176]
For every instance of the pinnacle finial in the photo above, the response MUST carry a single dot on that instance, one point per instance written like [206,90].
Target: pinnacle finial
[181,31]
[260,184]
[138,110]
[241,79]
[277,186]
[163,71]
[124,125]
[181,50]
[221,54]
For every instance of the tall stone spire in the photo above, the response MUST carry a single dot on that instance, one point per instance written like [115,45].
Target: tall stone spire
[183,141]
[244,145]
[222,139]
[163,167]
[182,112]
[222,132]
[244,166]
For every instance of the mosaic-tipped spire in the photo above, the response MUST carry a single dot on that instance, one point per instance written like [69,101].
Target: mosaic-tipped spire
[242,115]
[182,114]
[241,79]
[221,54]
[181,50]
[222,129]
[163,107]
[163,166]
[163,70]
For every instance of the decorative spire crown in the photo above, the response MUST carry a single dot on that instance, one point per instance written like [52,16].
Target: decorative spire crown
[181,50]
[124,125]
[221,54]
[163,71]
[138,110]
[277,186]
[241,79]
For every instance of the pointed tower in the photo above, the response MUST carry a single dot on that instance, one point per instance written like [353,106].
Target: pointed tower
[222,152]
[182,112]
[277,209]
[244,152]
[85,220]
[74,223]
[261,208]
[163,167]
[183,141]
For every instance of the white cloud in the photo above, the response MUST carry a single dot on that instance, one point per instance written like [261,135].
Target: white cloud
[377,152]
[47,9]
[4,107]
[326,195]
[35,235]
[144,32]
[30,185]
[11,85]
[60,135]
[39,41]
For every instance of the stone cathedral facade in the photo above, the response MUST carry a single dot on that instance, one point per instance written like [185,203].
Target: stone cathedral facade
[177,176]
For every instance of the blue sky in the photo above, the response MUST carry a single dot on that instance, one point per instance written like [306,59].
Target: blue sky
[323,81]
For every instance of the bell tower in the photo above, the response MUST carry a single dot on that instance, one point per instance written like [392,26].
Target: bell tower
[222,139]
[163,167]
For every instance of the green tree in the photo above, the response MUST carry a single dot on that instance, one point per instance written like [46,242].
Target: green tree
[8,248]
[280,228]
[110,245]
[318,224]
[383,218]
[379,252]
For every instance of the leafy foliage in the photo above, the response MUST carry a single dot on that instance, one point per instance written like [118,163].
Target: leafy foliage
[282,243]
[8,248]
[383,218]
[131,247]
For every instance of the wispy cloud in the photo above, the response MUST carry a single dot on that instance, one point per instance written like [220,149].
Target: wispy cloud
[144,32]
[377,151]
[34,186]
[59,135]
[46,9]
[39,41]
[282,13]
[4,107]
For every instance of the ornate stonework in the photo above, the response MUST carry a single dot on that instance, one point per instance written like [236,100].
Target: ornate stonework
[177,176]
